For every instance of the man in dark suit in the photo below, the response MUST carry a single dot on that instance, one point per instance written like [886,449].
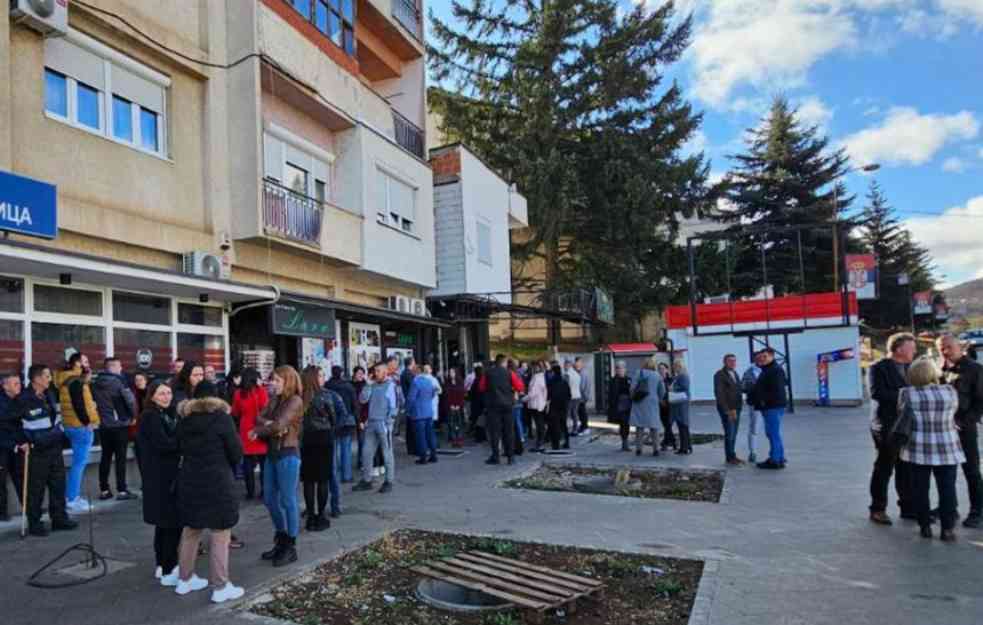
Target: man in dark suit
[966,375]
[887,377]
[727,392]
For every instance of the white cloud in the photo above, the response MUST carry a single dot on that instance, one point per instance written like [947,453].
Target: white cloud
[697,143]
[906,137]
[969,9]
[954,165]
[953,239]
[814,112]
[924,24]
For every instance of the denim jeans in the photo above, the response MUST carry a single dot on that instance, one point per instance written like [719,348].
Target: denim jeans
[81,441]
[730,432]
[773,429]
[378,436]
[754,418]
[343,457]
[520,428]
[426,438]
[280,478]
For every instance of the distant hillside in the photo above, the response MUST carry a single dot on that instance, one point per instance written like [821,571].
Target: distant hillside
[966,299]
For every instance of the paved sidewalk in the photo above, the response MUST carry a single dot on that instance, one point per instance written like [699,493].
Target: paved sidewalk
[789,547]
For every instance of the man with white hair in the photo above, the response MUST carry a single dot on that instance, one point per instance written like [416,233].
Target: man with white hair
[966,375]
[573,381]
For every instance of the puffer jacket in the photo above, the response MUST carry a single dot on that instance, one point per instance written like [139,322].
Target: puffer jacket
[78,406]
[114,400]
[210,449]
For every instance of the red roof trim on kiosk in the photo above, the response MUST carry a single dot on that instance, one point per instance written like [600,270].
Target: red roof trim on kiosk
[631,348]
[779,309]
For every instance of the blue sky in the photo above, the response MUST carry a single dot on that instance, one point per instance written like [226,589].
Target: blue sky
[896,82]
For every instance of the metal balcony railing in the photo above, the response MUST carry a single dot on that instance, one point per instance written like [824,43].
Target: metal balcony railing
[409,15]
[292,215]
[409,135]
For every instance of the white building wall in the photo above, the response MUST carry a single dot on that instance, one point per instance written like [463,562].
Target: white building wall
[704,356]
[486,199]
[449,239]
[386,250]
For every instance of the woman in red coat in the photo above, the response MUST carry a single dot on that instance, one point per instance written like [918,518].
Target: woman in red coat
[247,402]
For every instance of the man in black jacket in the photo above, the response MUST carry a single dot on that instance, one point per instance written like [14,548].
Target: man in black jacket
[41,430]
[10,462]
[887,377]
[345,429]
[500,386]
[967,376]
[770,398]
[117,408]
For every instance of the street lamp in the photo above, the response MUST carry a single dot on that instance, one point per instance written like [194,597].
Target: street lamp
[868,168]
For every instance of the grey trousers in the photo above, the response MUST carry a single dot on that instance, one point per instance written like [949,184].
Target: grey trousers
[373,440]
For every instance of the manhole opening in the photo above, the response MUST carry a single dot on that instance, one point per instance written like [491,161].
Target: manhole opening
[446,596]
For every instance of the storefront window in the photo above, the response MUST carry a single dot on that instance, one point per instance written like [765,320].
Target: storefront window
[142,350]
[138,308]
[195,315]
[55,299]
[11,346]
[49,342]
[202,348]
[11,295]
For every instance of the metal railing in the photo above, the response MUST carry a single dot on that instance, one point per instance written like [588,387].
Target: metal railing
[292,215]
[409,15]
[409,135]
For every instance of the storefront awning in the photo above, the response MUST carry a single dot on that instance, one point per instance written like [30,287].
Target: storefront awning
[33,260]
[360,312]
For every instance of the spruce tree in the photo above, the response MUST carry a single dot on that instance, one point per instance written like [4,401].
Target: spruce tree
[788,176]
[565,98]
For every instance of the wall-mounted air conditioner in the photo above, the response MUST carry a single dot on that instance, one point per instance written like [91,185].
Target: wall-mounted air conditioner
[203,264]
[48,17]
[398,303]
[418,307]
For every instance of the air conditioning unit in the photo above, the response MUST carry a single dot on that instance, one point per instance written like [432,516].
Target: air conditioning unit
[398,303]
[48,17]
[418,307]
[203,264]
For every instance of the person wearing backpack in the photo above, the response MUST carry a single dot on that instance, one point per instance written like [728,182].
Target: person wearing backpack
[322,408]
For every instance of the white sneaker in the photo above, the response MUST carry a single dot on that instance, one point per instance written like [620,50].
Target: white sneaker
[171,579]
[77,506]
[194,584]
[227,593]
[158,572]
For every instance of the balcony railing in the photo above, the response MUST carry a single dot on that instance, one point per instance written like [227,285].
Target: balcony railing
[409,135]
[407,14]
[292,215]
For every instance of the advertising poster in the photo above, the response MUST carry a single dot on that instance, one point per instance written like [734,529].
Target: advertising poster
[323,353]
[862,275]
[364,345]
[922,302]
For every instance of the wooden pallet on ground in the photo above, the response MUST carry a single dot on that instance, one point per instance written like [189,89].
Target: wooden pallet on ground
[534,589]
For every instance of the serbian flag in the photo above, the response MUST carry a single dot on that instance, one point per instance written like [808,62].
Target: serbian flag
[861,272]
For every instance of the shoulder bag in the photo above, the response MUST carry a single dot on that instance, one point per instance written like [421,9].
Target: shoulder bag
[641,389]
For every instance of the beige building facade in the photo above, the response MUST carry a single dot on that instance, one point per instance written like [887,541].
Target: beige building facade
[217,159]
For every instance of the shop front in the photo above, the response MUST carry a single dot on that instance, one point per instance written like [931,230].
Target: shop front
[53,303]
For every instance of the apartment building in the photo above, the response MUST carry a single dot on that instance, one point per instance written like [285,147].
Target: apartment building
[231,179]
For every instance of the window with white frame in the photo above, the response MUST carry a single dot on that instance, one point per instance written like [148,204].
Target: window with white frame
[297,164]
[395,202]
[484,242]
[93,87]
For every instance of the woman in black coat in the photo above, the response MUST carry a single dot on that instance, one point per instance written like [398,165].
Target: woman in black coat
[619,402]
[558,394]
[210,450]
[157,439]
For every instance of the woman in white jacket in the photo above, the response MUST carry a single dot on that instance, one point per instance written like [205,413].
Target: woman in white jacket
[535,399]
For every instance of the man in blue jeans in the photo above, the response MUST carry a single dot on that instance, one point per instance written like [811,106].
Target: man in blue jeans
[727,392]
[770,398]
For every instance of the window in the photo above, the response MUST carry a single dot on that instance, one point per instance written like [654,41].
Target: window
[11,346]
[55,93]
[208,349]
[135,347]
[50,341]
[195,315]
[395,202]
[297,164]
[484,243]
[11,295]
[122,119]
[94,87]
[334,18]
[137,308]
[56,299]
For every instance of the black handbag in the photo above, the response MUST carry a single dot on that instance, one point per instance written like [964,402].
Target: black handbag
[641,390]
[904,425]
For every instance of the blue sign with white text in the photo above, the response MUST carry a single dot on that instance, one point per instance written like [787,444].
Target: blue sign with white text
[28,206]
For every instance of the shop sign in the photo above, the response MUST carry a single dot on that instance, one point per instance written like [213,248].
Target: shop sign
[28,206]
[400,339]
[297,319]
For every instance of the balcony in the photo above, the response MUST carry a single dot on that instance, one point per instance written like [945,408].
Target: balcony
[409,136]
[291,215]
[407,14]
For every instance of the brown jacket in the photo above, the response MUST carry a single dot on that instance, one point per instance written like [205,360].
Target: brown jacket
[727,389]
[279,422]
